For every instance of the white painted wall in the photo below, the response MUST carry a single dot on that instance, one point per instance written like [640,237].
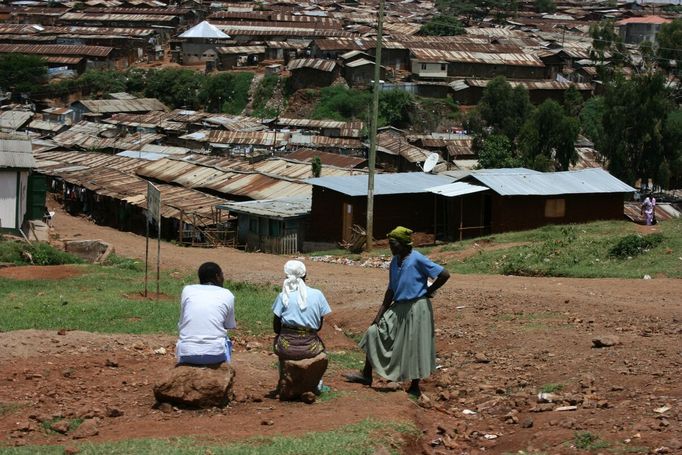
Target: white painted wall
[8,199]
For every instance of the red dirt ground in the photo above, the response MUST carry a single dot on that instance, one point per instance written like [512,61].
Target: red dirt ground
[39,272]
[499,339]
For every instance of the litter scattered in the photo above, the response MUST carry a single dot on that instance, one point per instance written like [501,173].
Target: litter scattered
[469,412]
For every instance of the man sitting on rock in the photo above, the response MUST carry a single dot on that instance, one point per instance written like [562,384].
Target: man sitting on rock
[206,313]
[299,313]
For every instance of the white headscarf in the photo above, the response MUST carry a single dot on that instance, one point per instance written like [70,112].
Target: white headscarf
[295,271]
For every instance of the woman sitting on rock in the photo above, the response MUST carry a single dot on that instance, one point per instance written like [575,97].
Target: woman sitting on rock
[299,312]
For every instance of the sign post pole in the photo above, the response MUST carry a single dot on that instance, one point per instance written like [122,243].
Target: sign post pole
[153,213]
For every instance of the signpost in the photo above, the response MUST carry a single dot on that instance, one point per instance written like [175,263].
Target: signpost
[153,214]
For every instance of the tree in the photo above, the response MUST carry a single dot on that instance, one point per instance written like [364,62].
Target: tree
[497,152]
[174,87]
[545,6]
[672,148]
[634,120]
[225,92]
[607,45]
[316,164]
[395,107]
[22,73]
[474,11]
[573,101]
[591,117]
[101,82]
[441,25]
[547,139]
[504,109]
[669,40]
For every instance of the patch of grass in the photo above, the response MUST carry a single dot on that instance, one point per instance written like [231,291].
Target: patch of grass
[576,251]
[634,244]
[16,252]
[587,441]
[346,360]
[362,438]
[108,299]
[551,388]
[8,408]
[73,424]
[331,395]
[263,94]
[122,262]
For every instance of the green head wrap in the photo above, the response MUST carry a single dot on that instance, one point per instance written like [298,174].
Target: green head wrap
[402,235]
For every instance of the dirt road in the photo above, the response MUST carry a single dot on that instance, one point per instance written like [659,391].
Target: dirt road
[500,341]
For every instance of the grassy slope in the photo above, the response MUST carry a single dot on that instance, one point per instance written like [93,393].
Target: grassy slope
[359,439]
[575,251]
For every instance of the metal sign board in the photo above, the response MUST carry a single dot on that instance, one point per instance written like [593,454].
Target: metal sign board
[153,203]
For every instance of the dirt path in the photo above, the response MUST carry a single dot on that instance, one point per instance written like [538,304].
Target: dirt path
[500,340]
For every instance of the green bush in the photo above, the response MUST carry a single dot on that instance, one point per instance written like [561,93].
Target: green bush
[122,262]
[634,244]
[41,253]
[263,93]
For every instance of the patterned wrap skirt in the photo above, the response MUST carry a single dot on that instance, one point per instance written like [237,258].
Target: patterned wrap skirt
[296,343]
[402,345]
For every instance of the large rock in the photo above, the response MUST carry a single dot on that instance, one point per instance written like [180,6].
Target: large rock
[301,376]
[196,386]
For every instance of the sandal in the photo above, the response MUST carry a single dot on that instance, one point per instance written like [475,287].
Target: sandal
[358,378]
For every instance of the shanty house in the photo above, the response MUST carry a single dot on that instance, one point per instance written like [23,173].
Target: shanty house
[234,56]
[106,108]
[312,72]
[500,200]
[271,226]
[339,202]
[634,30]
[360,72]
[16,162]
[200,43]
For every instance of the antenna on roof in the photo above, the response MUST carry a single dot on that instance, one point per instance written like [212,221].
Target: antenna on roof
[430,162]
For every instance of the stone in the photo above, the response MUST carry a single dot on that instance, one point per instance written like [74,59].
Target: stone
[308,397]
[86,429]
[114,412]
[481,358]
[111,363]
[300,376]
[605,341]
[191,386]
[61,426]
[527,423]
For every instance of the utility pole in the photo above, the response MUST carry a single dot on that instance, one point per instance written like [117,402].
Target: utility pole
[373,127]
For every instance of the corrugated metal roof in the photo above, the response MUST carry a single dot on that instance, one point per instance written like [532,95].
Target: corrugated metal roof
[134,105]
[279,209]
[457,189]
[122,185]
[16,151]
[204,30]
[664,211]
[56,49]
[226,50]
[359,62]
[384,184]
[644,20]
[326,158]
[117,17]
[64,60]
[236,122]
[314,63]
[311,123]
[535,85]
[437,55]
[12,120]
[396,144]
[298,139]
[521,183]
[264,30]
[45,125]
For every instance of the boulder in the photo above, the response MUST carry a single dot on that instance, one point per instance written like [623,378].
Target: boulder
[300,376]
[196,386]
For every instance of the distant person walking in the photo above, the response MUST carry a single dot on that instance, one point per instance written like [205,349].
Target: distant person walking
[206,313]
[400,343]
[647,210]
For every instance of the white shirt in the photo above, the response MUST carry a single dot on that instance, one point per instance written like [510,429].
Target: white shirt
[206,312]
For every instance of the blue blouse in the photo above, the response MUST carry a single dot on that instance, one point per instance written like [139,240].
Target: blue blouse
[292,315]
[409,281]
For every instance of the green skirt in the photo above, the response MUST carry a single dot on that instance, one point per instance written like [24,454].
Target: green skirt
[402,345]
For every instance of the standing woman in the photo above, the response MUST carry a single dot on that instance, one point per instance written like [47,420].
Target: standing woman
[400,343]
